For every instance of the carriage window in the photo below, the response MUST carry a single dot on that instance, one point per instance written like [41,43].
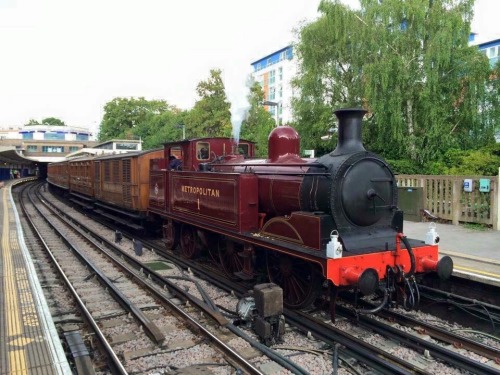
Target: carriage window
[202,150]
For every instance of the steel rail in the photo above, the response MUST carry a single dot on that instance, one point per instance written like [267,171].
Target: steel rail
[115,361]
[150,328]
[421,345]
[441,334]
[231,355]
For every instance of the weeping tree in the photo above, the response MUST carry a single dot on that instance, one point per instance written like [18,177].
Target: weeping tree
[408,63]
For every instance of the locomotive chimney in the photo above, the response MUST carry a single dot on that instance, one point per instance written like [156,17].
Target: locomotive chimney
[349,131]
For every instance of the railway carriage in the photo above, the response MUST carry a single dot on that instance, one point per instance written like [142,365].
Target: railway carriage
[81,171]
[123,180]
[58,175]
[114,186]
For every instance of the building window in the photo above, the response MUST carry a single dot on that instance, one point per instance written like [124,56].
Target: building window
[53,149]
[280,91]
[53,136]
[126,146]
[280,73]
[32,148]
[272,77]
[82,137]
[268,62]
[27,135]
[73,148]
[272,93]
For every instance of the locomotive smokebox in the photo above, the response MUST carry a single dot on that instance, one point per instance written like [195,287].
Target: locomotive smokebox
[349,131]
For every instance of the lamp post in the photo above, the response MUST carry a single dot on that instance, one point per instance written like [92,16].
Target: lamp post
[273,104]
[179,126]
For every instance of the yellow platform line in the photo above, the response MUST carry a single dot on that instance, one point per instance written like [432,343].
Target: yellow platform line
[473,270]
[17,358]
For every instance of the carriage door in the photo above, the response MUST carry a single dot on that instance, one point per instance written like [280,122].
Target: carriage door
[126,180]
[97,179]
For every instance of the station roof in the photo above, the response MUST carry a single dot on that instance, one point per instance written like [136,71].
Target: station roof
[9,154]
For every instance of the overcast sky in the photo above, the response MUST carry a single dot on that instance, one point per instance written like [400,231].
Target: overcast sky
[67,58]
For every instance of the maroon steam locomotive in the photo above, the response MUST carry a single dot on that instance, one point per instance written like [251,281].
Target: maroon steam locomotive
[308,223]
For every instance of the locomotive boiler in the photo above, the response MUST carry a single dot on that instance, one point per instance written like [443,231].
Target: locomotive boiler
[302,223]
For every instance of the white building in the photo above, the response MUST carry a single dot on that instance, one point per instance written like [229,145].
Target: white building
[275,72]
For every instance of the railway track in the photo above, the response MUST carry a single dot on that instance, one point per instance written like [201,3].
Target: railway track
[139,330]
[333,343]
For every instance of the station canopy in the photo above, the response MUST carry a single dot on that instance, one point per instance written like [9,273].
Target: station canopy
[9,155]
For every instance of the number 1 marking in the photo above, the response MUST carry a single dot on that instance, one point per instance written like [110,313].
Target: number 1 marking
[198,204]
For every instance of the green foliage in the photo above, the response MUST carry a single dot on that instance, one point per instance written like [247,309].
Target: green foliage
[47,121]
[161,128]
[405,166]
[409,64]
[153,121]
[53,121]
[477,226]
[258,123]
[482,162]
[211,115]
[475,162]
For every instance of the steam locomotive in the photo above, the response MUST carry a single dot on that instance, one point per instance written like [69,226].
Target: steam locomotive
[307,225]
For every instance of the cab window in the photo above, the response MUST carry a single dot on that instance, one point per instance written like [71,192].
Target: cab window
[243,149]
[175,159]
[202,150]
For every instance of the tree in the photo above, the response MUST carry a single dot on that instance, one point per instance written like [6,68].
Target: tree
[258,122]
[126,117]
[162,128]
[53,121]
[408,63]
[211,115]
[47,121]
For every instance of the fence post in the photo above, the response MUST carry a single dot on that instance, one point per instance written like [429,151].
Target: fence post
[423,184]
[456,210]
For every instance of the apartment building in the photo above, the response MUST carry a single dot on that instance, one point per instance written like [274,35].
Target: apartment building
[275,72]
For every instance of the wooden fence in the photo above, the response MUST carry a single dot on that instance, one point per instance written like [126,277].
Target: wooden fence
[444,197]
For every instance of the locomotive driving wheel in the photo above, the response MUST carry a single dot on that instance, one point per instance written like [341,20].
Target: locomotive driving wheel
[189,247]
[229,257]
[298,278]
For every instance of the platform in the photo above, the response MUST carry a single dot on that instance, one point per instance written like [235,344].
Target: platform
[475,252]
[29,341]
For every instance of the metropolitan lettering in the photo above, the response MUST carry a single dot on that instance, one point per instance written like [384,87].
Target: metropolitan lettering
[200,191]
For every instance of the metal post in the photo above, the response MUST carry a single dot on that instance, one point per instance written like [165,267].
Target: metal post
[178,126]
[277,114]
[273,104]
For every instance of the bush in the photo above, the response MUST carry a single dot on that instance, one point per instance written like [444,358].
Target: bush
[405,166]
